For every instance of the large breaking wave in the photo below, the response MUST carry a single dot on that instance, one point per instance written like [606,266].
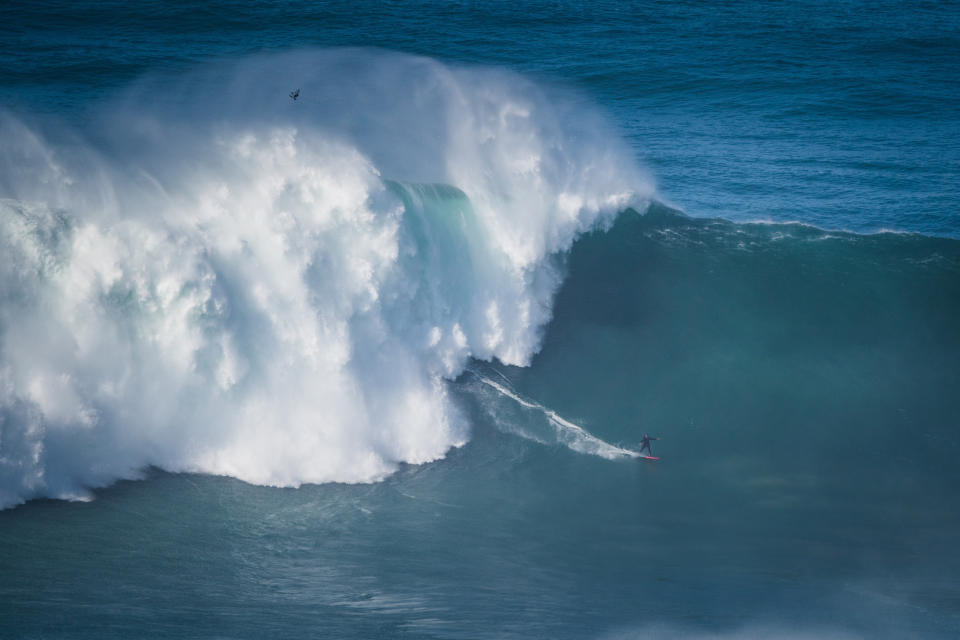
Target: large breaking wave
[212,277]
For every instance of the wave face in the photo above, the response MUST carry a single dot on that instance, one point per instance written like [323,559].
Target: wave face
[802,383]
[791,370]
[216,278]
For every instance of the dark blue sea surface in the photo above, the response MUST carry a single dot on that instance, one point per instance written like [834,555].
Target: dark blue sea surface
[839,114]
[374,362]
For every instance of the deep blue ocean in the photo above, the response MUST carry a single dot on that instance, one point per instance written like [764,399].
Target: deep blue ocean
[374,362]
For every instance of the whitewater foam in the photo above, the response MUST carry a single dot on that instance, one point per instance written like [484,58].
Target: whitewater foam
[222,281]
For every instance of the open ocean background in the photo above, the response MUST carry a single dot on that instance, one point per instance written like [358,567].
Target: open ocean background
[373,363]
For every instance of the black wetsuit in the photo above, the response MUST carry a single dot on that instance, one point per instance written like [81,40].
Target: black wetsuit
[645,443]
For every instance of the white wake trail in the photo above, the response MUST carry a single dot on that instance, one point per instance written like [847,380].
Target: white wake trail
[569,434]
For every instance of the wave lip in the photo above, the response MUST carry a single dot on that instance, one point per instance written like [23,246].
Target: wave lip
[277,291]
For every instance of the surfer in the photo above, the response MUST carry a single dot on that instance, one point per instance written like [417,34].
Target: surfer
[645,443]
[295,94]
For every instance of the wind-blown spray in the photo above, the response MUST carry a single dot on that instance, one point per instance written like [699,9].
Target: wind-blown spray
[216,278]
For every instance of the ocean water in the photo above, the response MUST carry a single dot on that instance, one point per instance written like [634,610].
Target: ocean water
[374,363]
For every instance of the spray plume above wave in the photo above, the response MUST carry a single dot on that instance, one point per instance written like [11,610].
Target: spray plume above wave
[215,278]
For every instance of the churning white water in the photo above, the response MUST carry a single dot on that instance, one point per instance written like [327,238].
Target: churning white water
[220,279]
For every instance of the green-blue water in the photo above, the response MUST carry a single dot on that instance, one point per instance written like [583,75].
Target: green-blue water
[372,363]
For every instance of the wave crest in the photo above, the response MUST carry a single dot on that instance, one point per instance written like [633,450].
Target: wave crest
[274,290]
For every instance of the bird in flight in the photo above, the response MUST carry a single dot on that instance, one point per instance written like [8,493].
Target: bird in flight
[295,94]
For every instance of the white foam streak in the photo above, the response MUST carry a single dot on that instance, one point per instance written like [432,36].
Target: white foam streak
[276,291]
[566,433]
